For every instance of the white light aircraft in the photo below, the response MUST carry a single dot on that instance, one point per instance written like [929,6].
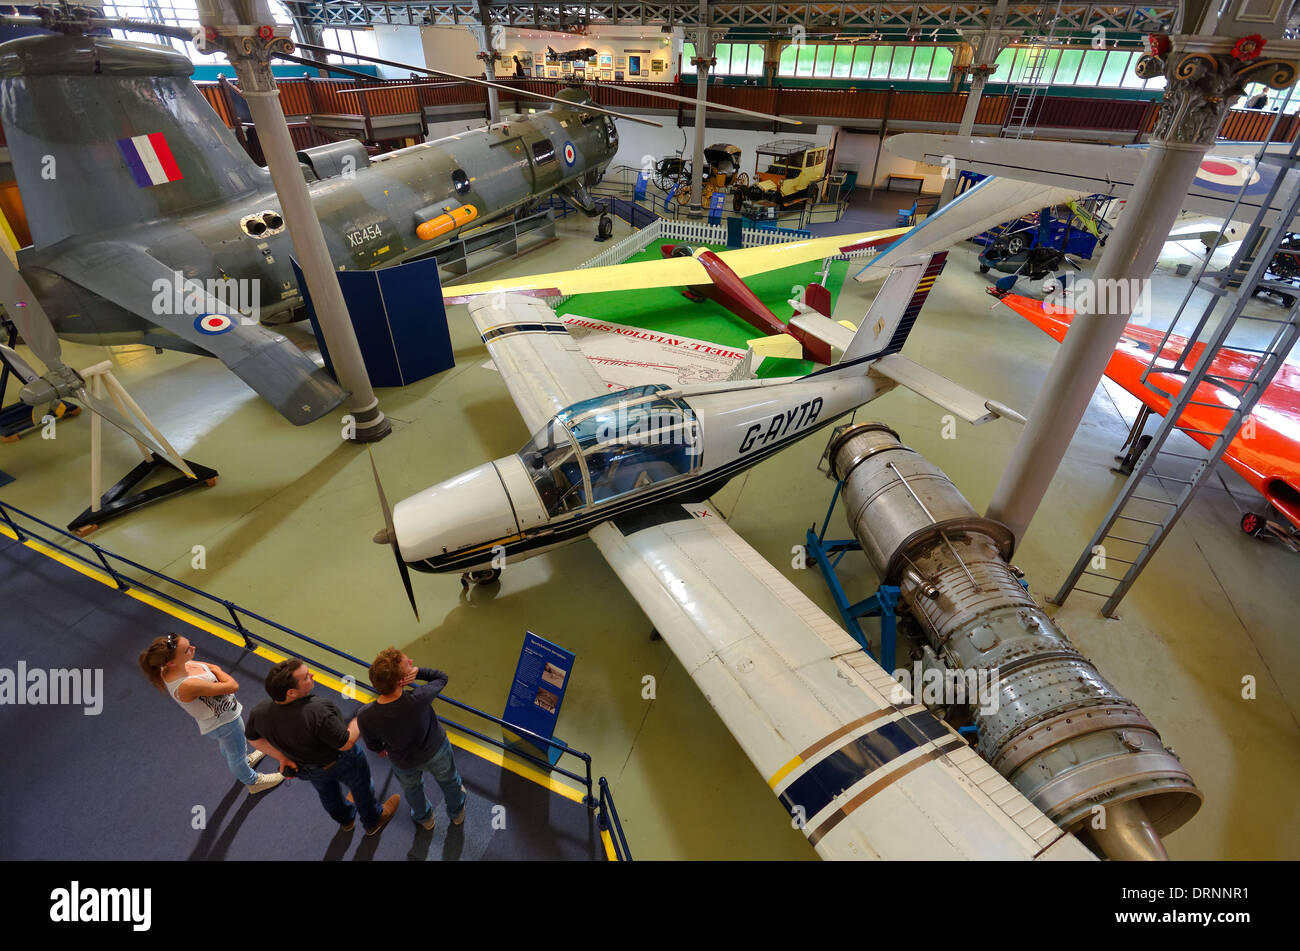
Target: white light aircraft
[864,771]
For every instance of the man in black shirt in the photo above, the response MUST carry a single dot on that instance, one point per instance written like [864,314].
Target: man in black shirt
[404,727]
[308,733]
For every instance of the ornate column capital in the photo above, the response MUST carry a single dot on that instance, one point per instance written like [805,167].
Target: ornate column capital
[1205,76]
[250,49]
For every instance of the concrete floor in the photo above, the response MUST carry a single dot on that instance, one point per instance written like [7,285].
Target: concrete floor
[287,533]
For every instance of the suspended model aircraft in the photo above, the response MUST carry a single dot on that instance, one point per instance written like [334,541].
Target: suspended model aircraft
[1266,452]
[863,775]
[718,276]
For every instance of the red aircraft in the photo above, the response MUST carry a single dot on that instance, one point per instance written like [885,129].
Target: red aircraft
[1265,452]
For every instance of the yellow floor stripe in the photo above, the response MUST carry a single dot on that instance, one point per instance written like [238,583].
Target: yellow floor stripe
[470,745]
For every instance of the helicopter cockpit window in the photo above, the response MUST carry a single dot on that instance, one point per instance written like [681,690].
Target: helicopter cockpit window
[551,461]
[633,439]
[543,152]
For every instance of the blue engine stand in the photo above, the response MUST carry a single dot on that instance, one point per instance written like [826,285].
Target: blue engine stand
[883,604]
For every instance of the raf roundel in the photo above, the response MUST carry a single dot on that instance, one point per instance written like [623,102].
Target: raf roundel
[570,154]
[1224,176]
[212,324]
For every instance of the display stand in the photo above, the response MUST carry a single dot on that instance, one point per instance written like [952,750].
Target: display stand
[116,501]
[883,604]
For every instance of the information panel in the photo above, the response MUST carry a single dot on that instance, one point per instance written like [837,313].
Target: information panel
[541,677]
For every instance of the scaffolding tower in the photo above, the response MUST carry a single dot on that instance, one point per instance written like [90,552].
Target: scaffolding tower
[1164,480]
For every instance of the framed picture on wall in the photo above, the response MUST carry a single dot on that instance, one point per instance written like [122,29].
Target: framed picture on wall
[540,71]
[657,65]
[580,70]
[607,75]
[634,65]
[618,75]
[606,59]
[621,62]
[566,68]
[552,72]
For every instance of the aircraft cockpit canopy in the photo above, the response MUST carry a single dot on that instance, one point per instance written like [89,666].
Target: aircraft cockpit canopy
[605,447]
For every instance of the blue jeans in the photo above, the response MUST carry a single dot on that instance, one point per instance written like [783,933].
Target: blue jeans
[235,749]
[443,767]
[351,770]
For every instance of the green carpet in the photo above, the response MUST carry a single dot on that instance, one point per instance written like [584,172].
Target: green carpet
[666,310]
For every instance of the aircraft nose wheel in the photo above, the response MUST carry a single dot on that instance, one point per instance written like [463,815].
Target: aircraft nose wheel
[483,576]
[1252,524]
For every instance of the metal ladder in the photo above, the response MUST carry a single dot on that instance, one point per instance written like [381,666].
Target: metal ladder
[1147,504]
[1031,84]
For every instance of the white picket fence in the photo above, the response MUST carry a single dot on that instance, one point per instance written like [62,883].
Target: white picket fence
[676,230]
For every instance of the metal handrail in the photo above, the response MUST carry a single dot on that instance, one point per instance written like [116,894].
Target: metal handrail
[104,559]
[609,822]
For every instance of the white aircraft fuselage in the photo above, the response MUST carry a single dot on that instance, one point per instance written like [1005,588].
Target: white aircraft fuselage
[614,456]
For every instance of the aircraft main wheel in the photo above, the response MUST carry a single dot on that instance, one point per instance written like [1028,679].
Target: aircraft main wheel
[1252,524]
[1015,245]
[984,268]
[483,576]
[604,228]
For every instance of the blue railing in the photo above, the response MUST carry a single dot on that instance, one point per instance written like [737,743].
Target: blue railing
[105,560]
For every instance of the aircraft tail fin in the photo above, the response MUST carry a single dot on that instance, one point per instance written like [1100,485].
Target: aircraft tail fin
[121,127]
[887,323]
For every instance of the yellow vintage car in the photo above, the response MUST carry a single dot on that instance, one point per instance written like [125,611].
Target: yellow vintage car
[795,172]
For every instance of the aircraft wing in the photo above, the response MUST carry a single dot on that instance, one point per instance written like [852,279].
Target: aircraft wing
[543,367]
[1269,460]
[863,770]
[267,361]
[975,210]
[671,272]
[1096,169]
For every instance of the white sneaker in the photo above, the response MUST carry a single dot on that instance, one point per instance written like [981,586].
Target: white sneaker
[264,782]
[255,757]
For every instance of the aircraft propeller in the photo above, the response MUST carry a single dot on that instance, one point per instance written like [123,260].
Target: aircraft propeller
[389,537]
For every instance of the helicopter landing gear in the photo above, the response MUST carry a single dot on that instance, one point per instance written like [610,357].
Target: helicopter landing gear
[604,227]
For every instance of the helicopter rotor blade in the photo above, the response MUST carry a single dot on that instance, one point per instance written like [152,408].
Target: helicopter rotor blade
[716,106]
[481,82]
[28,315]
[319,64]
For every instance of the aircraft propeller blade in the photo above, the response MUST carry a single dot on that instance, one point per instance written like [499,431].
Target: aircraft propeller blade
[389,536]
[478,82]
[333,67]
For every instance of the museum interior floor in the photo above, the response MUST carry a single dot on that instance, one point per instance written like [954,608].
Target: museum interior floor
[287,533]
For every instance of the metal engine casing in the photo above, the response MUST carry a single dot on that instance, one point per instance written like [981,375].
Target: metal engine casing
[1062,734]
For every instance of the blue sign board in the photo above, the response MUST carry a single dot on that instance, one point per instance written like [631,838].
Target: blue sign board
[399,320]
[541,677]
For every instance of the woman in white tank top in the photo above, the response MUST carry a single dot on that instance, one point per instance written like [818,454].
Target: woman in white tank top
[207,693]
